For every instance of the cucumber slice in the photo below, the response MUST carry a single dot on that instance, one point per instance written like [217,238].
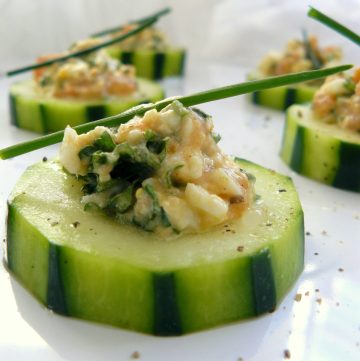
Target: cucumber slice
[151,64]
[320,151]
[282,97]
[86,265]
[46,115]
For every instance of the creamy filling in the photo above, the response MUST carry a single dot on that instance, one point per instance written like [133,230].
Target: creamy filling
[150,38]
[163,172]
[90,77]
[299,56]
[338,101]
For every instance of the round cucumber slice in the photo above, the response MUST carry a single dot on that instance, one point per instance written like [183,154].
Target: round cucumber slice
[321,151]
[86,265]
[46,115]
[152,64]
[282,97]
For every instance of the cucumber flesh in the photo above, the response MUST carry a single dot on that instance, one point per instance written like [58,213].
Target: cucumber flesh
[46,115]
[323,152]
[152,64]
[86,265]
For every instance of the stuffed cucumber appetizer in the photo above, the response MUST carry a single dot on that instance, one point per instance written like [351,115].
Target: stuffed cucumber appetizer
[150,52]
[151,227]
[299,55]
[322,140]
[77,91]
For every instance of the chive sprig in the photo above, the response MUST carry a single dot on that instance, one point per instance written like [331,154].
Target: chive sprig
[139,28]
[156,16]
[187,100]
[331,23]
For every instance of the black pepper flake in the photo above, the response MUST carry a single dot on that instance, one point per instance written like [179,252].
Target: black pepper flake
[4,240]
[76,224]
[287,354]
[341,270]
[135,355]
[316,254]
[240,248]
[268,224]
[53,224]
[282,190]
[299,114]
[308,233]
[44,159]
[317,290]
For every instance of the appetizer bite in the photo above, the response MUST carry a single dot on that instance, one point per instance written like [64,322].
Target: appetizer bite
[150,51]
[298,55]
[151,227]
[78,90]
[322,140]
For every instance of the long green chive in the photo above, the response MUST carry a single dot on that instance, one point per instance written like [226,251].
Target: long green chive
[331,23]
[187,100]
[138,21]
[75,54]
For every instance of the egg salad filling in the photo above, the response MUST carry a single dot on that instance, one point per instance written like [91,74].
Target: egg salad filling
[150,38]
[92,76]
[163,172]
[299,55]
[338,101]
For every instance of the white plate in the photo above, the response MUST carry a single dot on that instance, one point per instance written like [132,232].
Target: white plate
[324,325]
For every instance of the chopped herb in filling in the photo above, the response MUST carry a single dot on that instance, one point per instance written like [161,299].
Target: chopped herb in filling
[163,172]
